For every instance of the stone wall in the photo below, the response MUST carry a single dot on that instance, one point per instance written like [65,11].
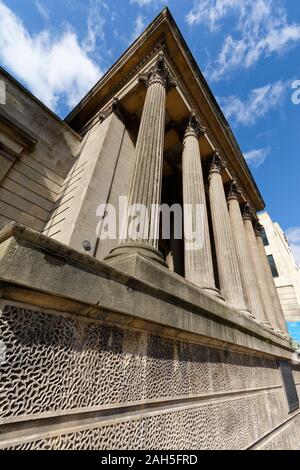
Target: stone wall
[35,178]
[56,185]
[72,383]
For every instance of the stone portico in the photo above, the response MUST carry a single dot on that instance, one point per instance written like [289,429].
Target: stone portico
[137,343]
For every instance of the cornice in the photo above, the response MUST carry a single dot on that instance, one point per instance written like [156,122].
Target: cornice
[17,130]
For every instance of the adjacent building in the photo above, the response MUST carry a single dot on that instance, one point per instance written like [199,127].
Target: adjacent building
[286,272]
[143,340]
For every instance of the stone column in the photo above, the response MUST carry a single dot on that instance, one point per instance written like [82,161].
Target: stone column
[265,313]
[227,262]
[251,291]
[278,321]
[145,185]
[197,260]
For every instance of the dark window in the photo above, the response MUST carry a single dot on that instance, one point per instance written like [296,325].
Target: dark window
[289,385]
[264,237]
[273,266]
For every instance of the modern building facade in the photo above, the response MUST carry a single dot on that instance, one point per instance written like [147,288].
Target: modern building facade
[286,272]
[137,342]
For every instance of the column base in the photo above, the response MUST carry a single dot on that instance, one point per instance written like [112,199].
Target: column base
[214,292]
[248,314]
[279,332]
[267,325]
[283,335]
[123,253]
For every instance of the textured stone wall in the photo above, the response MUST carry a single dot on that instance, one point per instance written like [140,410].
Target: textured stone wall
[140,390]
[287,437]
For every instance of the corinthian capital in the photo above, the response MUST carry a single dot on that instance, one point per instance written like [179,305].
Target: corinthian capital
[247,212]
[159,73]
[258,227]
[234,191]
[217,165]
[193,126]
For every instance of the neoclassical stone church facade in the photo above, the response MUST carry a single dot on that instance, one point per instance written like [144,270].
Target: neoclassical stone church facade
[139,343]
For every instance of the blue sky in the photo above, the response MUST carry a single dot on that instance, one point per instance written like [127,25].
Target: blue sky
[248,51]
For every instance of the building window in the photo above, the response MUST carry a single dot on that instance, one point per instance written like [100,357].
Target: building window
[264,237]
[273,266]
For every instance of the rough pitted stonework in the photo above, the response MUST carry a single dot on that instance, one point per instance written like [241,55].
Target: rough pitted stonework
[56,362]
[215,426]
[286,438]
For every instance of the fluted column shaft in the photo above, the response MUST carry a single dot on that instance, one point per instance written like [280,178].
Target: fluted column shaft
[277,320]
[251,291]
[265,313]
[145,186]
[198,261]
[228,269]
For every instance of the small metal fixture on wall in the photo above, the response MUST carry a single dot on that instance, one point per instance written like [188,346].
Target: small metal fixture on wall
[87,245]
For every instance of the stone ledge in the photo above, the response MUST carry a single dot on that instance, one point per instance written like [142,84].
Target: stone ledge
[33,261]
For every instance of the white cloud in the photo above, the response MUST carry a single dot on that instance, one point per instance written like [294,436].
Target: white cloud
[143,3]
[95,25]
[293,236]
[261,28]
[139,26]
[256,158]
[52,66]
[259,103]
[43,10]
[210,12]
